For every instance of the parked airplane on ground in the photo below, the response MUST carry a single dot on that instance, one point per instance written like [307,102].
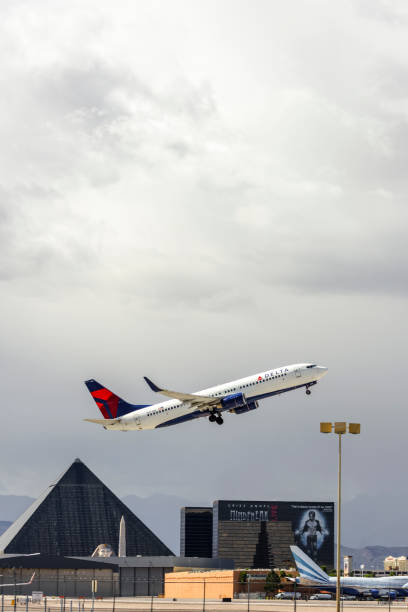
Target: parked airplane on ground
[237,396]
[311,574]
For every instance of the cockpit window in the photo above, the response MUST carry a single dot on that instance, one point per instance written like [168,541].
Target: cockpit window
[313,365]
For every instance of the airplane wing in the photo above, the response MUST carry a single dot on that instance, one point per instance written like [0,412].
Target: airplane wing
[203,402]
[18,583]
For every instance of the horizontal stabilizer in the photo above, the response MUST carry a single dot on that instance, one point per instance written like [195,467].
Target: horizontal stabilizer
[103,421]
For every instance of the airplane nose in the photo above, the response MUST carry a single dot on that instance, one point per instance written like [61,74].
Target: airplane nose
[322,370]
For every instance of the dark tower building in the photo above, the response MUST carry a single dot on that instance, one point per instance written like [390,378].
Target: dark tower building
[76,514]
[196,532]
[262,557]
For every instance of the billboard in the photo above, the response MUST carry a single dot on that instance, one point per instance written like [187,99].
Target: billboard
[312,522]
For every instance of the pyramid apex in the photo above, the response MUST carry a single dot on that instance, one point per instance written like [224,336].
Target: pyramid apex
[77,460]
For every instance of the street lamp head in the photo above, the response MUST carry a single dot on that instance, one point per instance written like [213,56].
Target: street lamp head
[340,427]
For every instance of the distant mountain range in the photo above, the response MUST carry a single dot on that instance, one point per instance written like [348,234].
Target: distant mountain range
[372,557]
[11,506]
[161,513]
[4,525]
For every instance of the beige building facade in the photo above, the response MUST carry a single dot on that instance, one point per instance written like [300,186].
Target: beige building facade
[396,564]
[348,565]
[216,584]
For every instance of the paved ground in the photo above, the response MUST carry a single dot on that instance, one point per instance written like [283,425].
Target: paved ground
[142,604]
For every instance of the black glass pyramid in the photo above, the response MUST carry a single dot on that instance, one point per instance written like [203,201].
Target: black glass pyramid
[76,514]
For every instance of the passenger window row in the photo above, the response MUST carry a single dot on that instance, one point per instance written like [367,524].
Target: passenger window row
[232,390]
[248,385]
[164,409]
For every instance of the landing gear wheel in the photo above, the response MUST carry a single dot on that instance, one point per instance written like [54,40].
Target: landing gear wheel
[308,391]
[212,418]
[219,420]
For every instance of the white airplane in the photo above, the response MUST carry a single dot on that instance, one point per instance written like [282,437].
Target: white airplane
[13,584]
[237,396]
[311,574]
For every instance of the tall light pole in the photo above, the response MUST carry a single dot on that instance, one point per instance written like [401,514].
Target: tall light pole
[340,429]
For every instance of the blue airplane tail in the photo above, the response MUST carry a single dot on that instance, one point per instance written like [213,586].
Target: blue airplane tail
[111,405]
[307,568]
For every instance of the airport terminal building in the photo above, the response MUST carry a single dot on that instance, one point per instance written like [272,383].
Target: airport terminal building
[258,534]
[116,576]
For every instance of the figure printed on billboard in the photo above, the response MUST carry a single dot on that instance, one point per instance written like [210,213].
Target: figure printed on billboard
[311,533]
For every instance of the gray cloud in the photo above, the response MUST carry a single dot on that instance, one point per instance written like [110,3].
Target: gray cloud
[99,124]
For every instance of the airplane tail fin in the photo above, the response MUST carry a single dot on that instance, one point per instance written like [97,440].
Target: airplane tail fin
[112,406]
[307,568]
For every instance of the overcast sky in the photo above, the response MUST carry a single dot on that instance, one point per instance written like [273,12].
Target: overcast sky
[197,191]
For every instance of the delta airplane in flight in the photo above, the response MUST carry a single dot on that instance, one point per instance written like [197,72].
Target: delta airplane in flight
[237,396]
[311,574]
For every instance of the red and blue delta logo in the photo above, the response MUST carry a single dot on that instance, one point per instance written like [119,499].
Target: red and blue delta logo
[107,402]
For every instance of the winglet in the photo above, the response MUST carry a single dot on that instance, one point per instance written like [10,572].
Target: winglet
[32,578]
[151,384]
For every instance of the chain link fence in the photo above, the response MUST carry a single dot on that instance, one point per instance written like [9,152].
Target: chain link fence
[202,595]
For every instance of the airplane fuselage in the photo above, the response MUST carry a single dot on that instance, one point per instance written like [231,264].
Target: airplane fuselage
[254,388]
[358,584]
[311,574]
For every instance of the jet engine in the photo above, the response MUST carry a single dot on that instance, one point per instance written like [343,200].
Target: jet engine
[249,406]
[234,402]
[237,403]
